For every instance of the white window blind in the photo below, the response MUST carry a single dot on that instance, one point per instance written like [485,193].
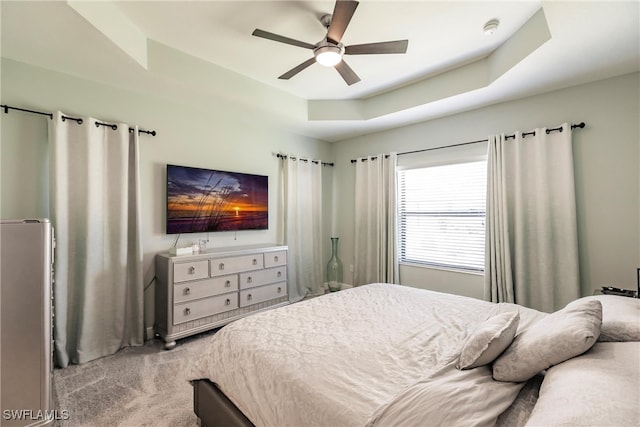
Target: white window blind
[442,215]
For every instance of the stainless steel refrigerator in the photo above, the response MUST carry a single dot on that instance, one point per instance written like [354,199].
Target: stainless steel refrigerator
[26,269]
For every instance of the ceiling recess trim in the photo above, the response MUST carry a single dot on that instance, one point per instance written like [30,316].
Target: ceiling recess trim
[110,21]
[476,75]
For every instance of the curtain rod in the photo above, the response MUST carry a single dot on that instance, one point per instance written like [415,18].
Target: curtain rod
[284,156]
[548,131]
[6,109]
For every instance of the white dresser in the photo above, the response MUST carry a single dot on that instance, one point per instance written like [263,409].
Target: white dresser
[195,293]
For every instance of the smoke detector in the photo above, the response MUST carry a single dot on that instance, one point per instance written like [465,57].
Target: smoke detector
[490,27]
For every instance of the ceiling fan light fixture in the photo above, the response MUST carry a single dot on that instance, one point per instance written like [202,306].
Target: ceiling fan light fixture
[328,56]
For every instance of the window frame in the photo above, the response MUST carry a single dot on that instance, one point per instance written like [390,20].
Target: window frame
[435,162]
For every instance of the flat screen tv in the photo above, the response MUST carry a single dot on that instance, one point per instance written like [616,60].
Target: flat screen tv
[203,200]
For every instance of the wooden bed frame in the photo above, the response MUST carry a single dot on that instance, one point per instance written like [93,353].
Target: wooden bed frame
[214,409]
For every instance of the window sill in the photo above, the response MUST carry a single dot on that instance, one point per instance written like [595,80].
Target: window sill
[449,269]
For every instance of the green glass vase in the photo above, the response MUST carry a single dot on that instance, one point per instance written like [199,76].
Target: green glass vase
[334,268]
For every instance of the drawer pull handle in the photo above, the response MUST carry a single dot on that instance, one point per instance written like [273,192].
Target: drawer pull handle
[221,266]
[279,274]
[275,258]
[254,262]
[249,279]
[249,297]
[192,270]
[187,311]
[279,289]
[187,291]
[227,284]
[227,302]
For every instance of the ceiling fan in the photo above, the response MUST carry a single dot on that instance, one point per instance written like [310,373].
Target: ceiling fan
[330,50]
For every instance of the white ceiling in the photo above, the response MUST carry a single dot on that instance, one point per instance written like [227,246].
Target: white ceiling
[589,41]
[440,34]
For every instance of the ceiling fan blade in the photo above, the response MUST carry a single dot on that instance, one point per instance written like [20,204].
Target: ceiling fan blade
[295,70]
[397,46]
[347,73]
[342,14]
[281,39]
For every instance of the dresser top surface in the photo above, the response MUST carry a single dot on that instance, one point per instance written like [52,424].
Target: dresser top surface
[226,251]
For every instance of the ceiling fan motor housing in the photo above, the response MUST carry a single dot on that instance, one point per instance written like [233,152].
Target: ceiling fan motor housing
[327,53]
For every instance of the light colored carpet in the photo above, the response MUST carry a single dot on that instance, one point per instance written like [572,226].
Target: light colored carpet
[138,386]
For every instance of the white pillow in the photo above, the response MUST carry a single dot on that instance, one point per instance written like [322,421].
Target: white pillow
[488,340]
[555,338]
[599,388]
[620,317]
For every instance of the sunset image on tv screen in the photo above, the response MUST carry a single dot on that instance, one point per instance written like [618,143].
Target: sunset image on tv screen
[203,200]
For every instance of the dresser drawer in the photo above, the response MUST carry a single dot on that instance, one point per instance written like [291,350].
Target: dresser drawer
[262,277]
[195,270]
[204,288]
[222,266]
[263,293]
[192,310]
[275,259]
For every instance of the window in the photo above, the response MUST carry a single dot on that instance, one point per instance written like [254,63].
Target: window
[442,215]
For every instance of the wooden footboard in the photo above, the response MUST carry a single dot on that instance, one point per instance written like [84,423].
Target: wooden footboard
[214,409]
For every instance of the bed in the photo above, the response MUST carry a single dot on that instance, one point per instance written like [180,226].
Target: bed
[389,355]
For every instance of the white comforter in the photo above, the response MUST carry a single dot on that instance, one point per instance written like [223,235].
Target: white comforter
[374,355]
